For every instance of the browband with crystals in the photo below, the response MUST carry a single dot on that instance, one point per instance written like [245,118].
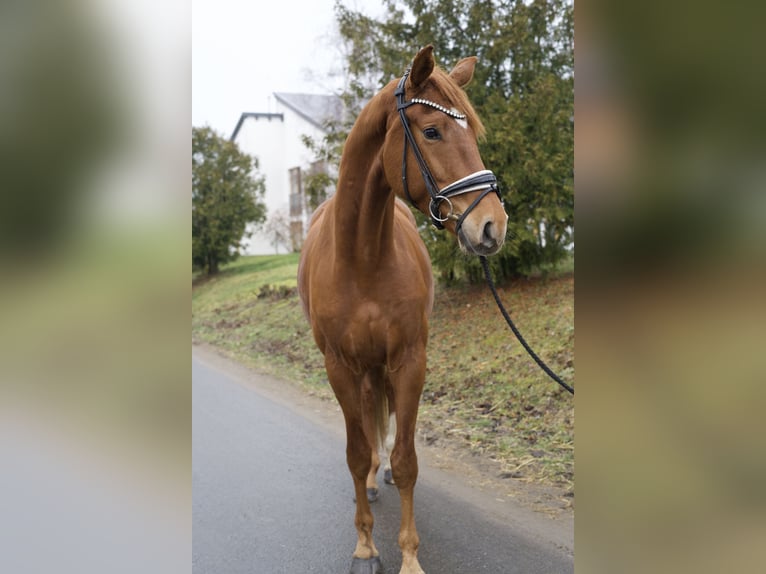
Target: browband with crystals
[439,107]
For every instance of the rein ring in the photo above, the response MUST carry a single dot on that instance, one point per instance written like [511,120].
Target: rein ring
[437,201]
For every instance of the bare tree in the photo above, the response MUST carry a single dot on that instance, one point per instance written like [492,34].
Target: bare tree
[277,229]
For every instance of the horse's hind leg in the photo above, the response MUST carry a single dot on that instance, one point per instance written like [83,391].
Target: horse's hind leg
[375,416]
[388,441]
[347,388]
[372,479]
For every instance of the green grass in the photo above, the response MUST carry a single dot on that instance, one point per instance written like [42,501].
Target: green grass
[482,392]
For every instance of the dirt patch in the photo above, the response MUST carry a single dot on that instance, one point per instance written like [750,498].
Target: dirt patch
[488,475]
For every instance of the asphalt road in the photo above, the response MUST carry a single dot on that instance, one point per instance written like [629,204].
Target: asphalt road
[272,494]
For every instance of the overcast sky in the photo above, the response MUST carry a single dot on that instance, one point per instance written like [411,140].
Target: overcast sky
[244,50]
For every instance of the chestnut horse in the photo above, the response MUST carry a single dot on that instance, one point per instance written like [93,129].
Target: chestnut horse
[365,276]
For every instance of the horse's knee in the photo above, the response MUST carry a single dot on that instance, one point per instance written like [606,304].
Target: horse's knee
[358,469]
[358,459]
[404,466]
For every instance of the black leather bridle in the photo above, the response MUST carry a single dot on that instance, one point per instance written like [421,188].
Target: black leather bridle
[483,180]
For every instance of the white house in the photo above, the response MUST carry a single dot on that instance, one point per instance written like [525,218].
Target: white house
[275,138]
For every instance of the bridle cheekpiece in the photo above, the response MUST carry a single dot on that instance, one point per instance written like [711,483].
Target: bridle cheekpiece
[481,180]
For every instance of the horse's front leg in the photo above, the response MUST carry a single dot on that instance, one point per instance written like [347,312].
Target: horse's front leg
[348,391]
[408,383]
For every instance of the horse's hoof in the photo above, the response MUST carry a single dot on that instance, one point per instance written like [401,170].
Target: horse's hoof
[366,566]
[388,476]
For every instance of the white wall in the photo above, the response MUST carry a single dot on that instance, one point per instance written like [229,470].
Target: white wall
[295,151]
[278,146]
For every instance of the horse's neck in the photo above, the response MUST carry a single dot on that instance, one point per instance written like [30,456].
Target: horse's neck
[364,202]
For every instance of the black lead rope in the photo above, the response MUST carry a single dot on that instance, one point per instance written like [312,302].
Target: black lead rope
[516,332]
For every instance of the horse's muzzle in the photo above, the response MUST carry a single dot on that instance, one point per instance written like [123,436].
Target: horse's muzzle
[483,238]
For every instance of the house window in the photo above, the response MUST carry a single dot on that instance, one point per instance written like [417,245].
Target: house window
[318,167]
[296,192]
[296,234]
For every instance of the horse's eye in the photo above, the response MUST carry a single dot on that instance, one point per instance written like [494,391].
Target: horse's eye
[432,134]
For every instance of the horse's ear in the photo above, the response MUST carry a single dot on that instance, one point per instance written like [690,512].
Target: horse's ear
[463,71]
[422,66]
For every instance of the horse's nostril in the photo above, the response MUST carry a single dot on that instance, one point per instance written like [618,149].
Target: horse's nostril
[488,236]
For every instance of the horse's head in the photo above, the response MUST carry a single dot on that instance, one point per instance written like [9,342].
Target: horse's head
[431,156]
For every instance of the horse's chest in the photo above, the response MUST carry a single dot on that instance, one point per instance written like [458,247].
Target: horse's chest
[370,333]
[365,331]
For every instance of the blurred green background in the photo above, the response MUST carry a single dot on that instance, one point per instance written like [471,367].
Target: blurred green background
[94,296]
[671,318]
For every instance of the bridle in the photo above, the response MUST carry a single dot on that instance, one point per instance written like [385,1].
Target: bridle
[483,179]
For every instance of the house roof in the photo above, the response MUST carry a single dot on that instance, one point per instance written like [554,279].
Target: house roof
[314,108]
[256,115]
[317,109]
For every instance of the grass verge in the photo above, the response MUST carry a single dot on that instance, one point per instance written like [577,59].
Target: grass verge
[482,392]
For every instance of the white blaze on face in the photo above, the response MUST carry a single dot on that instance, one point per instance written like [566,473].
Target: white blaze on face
[462,123]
